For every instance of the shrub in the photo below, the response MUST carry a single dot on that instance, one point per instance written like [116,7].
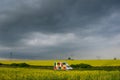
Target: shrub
[1,63]
[14,64]
[82,65]
[24,65]
[20,64]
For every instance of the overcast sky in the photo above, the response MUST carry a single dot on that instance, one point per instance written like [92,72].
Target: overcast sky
[58,29]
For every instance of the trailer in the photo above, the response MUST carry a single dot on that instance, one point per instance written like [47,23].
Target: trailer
[62,66]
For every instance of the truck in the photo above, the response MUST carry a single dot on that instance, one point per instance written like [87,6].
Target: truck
[62,66]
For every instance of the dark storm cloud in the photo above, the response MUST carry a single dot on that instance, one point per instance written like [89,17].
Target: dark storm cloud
[20,19]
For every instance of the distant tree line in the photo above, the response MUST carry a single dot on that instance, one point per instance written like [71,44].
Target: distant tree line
[80,66]
[83,66]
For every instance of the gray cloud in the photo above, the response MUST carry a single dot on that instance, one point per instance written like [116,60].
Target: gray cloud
[40,27]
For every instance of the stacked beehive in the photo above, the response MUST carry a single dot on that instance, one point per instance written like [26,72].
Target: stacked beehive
[59,66]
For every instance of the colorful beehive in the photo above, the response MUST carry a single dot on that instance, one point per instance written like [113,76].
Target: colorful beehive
[61,66]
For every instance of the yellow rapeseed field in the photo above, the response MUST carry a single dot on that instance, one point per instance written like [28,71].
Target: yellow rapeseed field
[41,74]
[46,74]
[50,62]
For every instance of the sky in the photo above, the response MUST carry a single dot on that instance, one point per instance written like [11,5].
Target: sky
[58,29]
